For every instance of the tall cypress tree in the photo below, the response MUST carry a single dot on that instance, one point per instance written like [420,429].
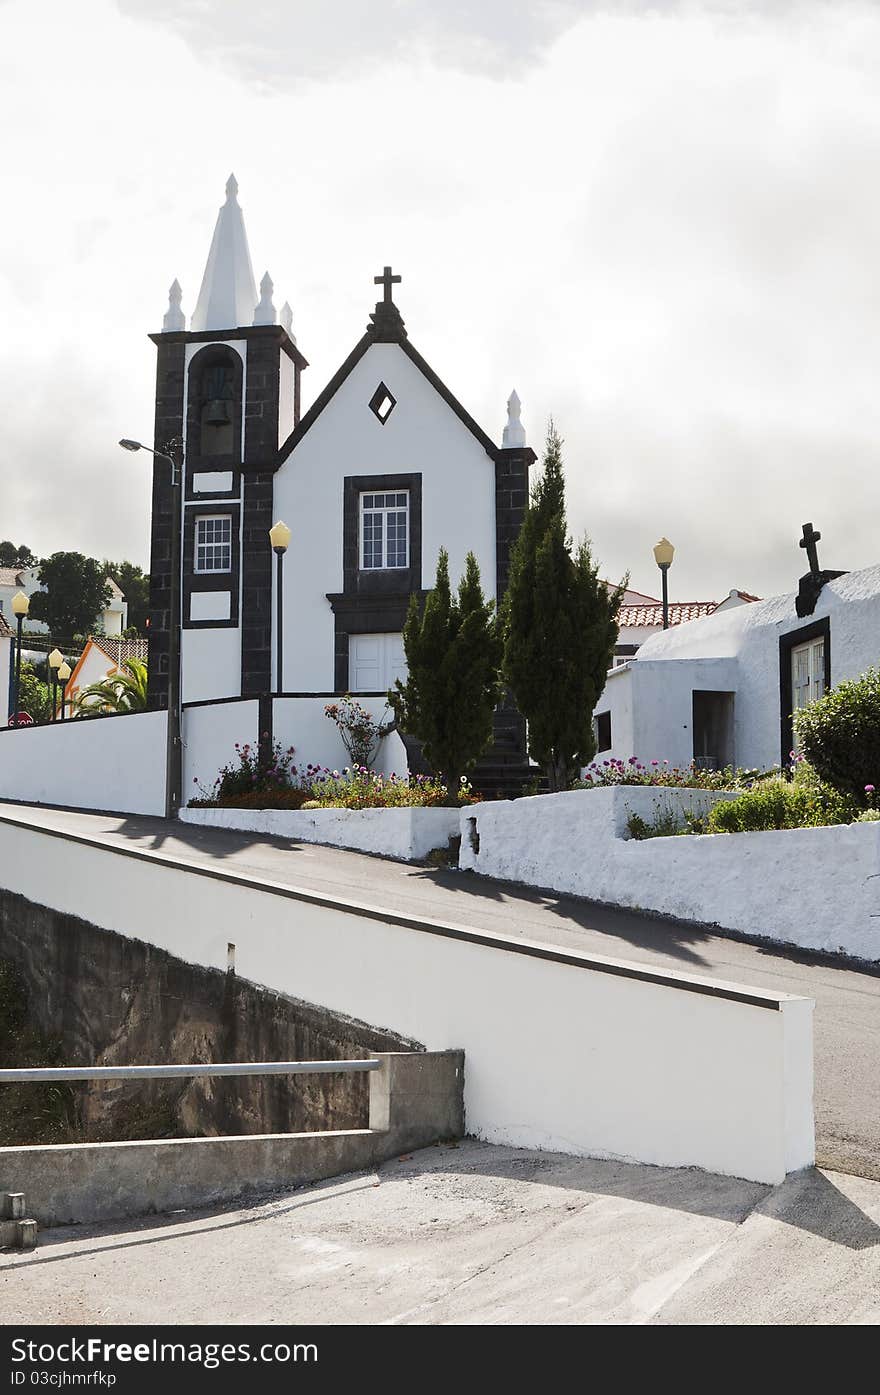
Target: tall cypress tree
[560,627]
[453,653]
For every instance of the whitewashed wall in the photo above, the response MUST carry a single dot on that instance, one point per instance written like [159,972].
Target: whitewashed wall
[818,888]
[113,763]
[405,834]
[737,650]
[422,435]
[585,1055]
[209,735]
[301,723]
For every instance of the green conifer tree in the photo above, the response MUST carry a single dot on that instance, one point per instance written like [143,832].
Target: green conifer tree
[560,627]
[453,652]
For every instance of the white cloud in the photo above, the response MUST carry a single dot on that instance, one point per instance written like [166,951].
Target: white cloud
[660,223]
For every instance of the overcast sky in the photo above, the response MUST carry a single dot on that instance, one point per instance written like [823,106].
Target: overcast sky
[660,223]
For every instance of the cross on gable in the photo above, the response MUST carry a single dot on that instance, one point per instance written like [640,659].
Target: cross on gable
[809,541]
[387,280]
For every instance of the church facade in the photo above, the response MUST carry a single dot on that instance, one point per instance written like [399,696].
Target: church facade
[384,468]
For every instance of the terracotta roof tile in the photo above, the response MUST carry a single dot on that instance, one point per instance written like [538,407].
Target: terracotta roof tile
[645,616]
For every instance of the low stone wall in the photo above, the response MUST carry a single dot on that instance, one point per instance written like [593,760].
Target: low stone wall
[415,1100]
[817,888]
[405,834]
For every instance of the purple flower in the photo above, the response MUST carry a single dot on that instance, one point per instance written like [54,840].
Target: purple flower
[869,789]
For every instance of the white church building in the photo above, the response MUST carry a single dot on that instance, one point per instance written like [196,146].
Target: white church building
[384,468]
[721,690]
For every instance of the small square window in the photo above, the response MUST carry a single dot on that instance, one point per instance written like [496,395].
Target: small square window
[213,543]
[382,404]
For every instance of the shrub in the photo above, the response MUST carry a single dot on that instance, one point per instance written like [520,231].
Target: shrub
[660,772]
[361,734]
[360,788]
[804,802]
[840,735]
[255,776]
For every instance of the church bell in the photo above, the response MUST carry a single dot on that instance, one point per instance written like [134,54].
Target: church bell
[217,412]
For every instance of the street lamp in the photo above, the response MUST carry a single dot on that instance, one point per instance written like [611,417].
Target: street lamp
[20,607]
[56,659]
[171,454]
[279,537]
[663,555]
[63,675]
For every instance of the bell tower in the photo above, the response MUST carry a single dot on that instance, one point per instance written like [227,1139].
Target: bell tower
[227,389]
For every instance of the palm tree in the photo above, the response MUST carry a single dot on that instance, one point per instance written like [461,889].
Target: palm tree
[123,691]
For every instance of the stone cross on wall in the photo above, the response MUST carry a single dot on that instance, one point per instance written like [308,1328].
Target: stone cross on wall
[808,541]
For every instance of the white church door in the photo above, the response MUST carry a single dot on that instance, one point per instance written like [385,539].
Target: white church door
[374,662]
[807,674]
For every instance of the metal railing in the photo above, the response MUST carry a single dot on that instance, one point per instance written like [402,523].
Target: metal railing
[70,1074]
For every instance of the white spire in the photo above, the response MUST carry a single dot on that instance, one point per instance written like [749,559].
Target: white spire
[174,316]
[228,293]
[514,431]
[265,311]
[287,321]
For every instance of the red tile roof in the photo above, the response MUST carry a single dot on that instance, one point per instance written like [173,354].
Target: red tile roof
[645,616]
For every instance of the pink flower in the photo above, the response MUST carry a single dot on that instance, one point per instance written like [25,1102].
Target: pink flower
[869,789]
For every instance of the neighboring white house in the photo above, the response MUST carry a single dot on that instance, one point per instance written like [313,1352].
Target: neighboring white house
[99,660]
[112,620]
[642,616]
[721,690]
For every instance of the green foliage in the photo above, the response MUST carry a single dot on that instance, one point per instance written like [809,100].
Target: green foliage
[560,627]
[135,587]
[365,789]
[34,695]
[840,735]
[453,653]
[252,774]
[660,772]
[124,691]
[15,555]
[804,802]
[29,1114]
[76,593]
[666,823]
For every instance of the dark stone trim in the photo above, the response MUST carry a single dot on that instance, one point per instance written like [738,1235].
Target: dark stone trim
[257,585]
[787,642]
[810,589]
[396,579]
[342,373]
[170,378]
[275,333]
[265,730]
[364,615]
[487,939]
[196,462]
[511,502]
[211,581]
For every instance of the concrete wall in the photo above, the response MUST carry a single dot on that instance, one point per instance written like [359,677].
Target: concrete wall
[415,1100]
[565,1051]
[651,705]
[92,763]
[818,888]
[209,736]
[405,834]
[422,435]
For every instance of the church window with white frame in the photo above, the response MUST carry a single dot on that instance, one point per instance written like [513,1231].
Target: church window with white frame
[384,530]
[213,552]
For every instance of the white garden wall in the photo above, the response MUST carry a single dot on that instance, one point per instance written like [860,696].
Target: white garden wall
[115,763]
[209,735]
[405,834]
[818,888]
[562,1051]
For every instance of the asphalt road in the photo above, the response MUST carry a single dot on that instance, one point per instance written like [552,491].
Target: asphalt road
[847,1019]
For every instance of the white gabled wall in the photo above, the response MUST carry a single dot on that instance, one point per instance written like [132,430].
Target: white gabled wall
[422,436]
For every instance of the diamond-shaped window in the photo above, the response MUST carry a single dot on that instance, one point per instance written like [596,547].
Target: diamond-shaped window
[382,403]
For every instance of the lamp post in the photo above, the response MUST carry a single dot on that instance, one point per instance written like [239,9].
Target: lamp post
[173,455]
[663,555]
[279,537]
[63,675]
[20,607]
[56,659]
